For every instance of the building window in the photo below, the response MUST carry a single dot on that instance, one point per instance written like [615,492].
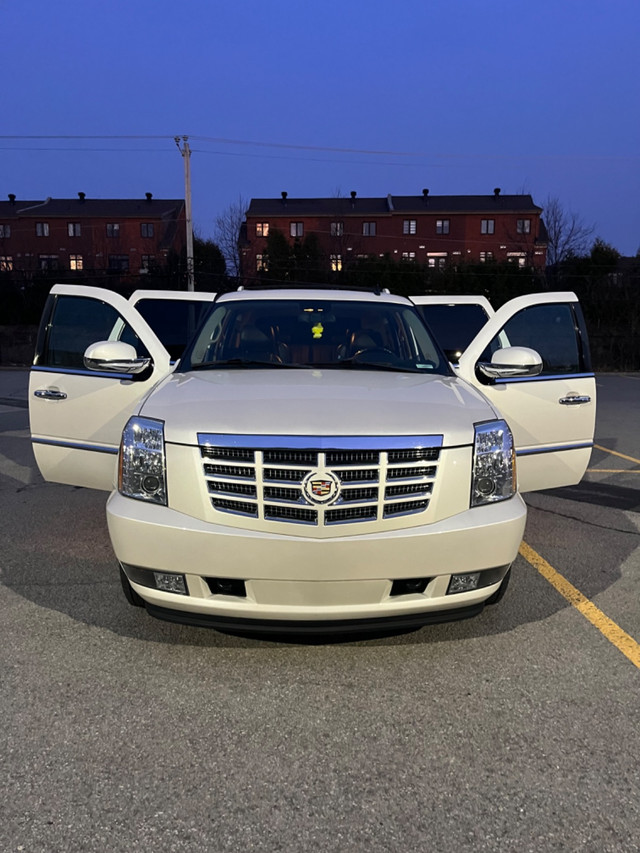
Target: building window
[48,262]
[42,229]
[368,229]
[408,256]
[519,258]
[486,256]
[296,229]
[487,226]
[147,261]
[5,231]
[6,263]
[113,229]
[146,229]
[409,226]
[75,262]
[337,229]
[119,263]
[336,262]
[262,229]
[262,263]
[442,226]
[74,229]
[524,226]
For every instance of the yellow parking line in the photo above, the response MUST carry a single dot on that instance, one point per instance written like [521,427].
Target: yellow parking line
[607,627]
[612,471]
[615,453]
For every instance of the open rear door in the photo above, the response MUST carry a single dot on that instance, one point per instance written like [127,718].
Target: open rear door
[77,415]
[552,415]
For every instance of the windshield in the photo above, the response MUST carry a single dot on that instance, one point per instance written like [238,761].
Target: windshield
[299,333]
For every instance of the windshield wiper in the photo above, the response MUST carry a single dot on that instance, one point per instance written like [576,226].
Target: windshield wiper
[238,362]
[365,365]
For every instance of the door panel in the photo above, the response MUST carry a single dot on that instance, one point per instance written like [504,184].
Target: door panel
[77,415]
[552,416]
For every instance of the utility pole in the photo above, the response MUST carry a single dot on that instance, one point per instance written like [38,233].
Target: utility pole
[186,156]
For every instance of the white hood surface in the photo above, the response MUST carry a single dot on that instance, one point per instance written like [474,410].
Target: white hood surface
[316,402]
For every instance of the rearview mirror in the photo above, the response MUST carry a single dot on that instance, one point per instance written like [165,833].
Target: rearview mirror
[512,362]
[114,357]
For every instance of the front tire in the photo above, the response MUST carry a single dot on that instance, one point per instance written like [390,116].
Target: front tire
[129,592]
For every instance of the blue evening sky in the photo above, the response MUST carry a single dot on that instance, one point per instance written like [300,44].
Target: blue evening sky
[376,96]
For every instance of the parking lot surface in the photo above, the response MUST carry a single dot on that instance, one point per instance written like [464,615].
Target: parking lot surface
[517,730]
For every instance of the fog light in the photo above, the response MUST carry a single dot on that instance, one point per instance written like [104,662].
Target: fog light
[463,583]
[170,583]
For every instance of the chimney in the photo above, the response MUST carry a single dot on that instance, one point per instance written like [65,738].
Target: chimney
[12,198]
[496,192]
[353,198]
[149,196]
[425,193]
[81,196]
[284,197]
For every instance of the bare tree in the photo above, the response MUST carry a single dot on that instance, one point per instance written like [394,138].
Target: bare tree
[568,234]
[227,228]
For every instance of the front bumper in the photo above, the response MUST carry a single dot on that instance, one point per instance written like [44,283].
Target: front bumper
[296,579]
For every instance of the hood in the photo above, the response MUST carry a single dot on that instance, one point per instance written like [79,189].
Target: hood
[316,402]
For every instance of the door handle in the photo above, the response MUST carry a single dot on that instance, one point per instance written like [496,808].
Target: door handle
[50,394]
[574,400]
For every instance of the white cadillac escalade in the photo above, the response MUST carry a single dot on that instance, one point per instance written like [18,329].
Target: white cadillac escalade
[314,459]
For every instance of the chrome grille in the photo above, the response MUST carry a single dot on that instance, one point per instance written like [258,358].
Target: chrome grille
[320,481]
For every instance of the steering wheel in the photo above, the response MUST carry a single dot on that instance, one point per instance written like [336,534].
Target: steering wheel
[375,355]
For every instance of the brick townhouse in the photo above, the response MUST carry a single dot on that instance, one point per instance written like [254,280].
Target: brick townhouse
[120,235]
[435,230]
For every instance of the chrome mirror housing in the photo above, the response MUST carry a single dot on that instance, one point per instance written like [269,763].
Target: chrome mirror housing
[114,357]
[512,362]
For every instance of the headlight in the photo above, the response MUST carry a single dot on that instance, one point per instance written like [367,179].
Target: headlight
[494,466]
[141,467]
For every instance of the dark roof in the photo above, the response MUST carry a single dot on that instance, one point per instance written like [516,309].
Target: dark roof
[117,208]
[392,204]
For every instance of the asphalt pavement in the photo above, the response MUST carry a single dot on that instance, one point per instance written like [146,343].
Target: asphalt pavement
[515,731]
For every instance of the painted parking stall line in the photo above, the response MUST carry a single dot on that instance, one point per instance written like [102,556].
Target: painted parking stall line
[607,627]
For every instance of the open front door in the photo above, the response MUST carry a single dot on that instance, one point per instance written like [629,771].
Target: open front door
[77,415]
[552,415]
[454,320]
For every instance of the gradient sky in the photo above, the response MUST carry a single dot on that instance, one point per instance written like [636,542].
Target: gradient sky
[376,96]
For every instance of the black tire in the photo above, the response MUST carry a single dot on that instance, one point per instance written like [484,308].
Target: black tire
[499,593]
[129,592]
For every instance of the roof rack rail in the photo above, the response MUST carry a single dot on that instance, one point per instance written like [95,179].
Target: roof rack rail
[310,285]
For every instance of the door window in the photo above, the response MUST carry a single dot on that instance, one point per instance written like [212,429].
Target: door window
[551,330]
[78,321]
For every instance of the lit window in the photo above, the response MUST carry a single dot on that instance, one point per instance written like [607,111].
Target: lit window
[48,262]
[42,229]
[262,263]
[524,226]
[487,226]
[262,229]
[74,229]
[119,263]
[113,229]
[409,226]
[296,229]
[486,256]
[147,229]
[337,229]
[6,263]
[75,262]
[147,261]
[5,231]
[369,229]
[442,226]
[336,262]
[408,256]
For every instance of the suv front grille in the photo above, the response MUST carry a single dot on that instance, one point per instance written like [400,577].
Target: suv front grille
[320,481]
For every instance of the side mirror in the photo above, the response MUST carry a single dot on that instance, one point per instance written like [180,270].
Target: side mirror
[114,357]
[511,361]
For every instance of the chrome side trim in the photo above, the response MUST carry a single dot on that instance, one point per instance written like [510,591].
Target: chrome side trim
[544,378]
[320,442]
[78,371]
[76,445]
[538,450]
